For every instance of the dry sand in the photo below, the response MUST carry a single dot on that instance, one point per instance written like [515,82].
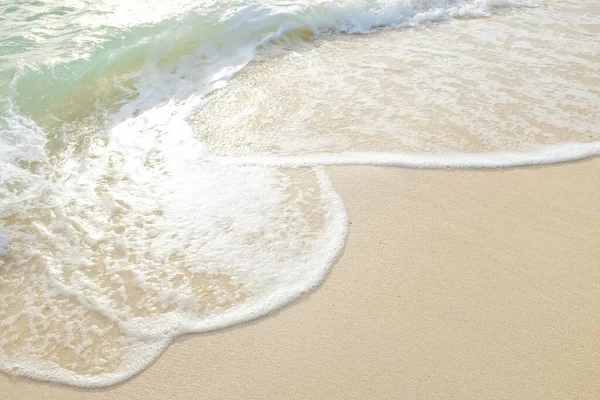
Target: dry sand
[453,284]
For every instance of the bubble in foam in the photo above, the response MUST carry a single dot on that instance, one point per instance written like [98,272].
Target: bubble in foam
[3,243]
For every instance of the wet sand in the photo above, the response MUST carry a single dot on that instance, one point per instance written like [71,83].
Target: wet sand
[463,284]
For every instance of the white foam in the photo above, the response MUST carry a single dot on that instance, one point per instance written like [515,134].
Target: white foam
[148,239]
[543,154]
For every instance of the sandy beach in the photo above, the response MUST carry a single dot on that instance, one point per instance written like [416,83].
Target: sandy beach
[460,284]
[158,212]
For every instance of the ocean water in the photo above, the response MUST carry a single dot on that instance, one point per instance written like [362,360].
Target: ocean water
[162,163]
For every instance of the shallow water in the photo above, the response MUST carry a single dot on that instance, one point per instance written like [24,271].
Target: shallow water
[146,151]
[506,83]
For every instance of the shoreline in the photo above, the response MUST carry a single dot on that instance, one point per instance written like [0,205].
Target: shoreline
[506,306]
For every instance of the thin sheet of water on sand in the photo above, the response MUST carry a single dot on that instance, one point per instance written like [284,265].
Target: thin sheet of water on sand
[503,83]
